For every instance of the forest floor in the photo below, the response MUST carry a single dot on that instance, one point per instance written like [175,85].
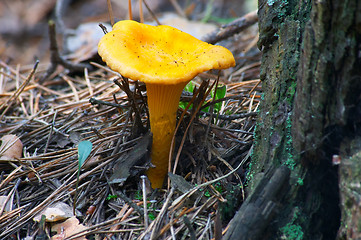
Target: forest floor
[55,92]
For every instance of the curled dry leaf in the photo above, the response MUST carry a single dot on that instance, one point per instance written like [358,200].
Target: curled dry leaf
[68,228]
[10,147]
[56,212]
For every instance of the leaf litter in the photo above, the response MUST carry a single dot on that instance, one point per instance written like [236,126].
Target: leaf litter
[97,105]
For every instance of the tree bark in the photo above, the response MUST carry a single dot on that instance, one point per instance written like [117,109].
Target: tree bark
[257,212]
[310,111]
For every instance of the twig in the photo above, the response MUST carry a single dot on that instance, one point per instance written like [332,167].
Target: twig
[17,183]
[232,28]
[227,129]
[87,80]
[101,102]
[154,226]
[95,228]
[189,124]
[176,129]
[125,87]
[60,8]
[208,225]
[151,12]
[186,195]
[188,224]
[51,131]
[130,9]
[141,11]
[144,201]
[20,98]
[18,91]
[211,109]
[58,194]
[214,101]
[184,212]
[218,225]
[56,59]
[171,227]
[110,11]
[178,8]
[105,31]
[234,116]
[130,202]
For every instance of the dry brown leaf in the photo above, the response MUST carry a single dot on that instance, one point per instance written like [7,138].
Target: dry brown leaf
[10,147]
[68,228]
[55,212]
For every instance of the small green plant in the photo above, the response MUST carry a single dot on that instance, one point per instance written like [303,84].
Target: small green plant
[188,88]
[218,187]
[110,197]
[151,212]
[151,216]
[218,94]
[292,230]
[300,181]
[138,195]
[84,149]
[207,194]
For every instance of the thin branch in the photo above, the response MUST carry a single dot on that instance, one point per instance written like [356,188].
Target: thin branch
[178,8]
[16,94]
[234,116]
[130,9]
[101,102]
[125,87]
[56,59]
[110,11]
[141,11]
[145,202]
[230,29]
[105,30]
[151,12]
[212,108]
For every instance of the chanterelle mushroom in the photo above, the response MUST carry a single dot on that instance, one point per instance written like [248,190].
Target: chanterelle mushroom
[165,59]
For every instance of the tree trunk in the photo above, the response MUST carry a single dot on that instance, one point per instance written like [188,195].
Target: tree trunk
[310,111]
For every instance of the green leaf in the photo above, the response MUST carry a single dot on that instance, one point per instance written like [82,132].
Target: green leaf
[151,216]
[220,93]
[138,195]
[188,88]
[183,105]
[84,149]
[207,194]
[110,197]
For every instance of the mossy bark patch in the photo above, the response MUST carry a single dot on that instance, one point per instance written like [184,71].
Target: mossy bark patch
[311,79]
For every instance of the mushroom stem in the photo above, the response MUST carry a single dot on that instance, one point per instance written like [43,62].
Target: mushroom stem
[163,101]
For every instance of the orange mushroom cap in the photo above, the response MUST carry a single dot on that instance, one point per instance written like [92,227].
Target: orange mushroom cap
[159,54]
[166,59]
